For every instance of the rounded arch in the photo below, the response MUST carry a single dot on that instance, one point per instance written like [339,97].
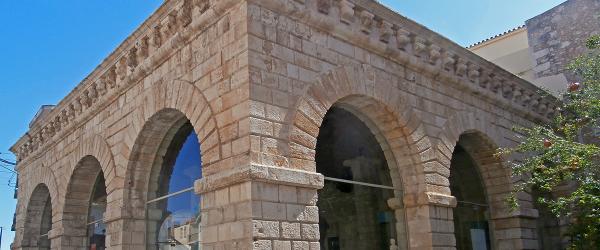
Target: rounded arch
[465,122]
[40,176]
[38,218]
[96,146]
[386,112]
[153,142]
[478,135]
[36,177]
[381,106]
[165,108]
[178,95]
[77,197]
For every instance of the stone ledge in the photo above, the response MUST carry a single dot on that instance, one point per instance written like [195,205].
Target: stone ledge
[259,173]
[521,213]
[430,198]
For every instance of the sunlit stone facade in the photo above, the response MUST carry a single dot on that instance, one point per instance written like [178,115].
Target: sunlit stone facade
[287,116]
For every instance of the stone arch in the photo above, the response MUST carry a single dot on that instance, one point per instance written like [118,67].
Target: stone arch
[478,136]
[381,106]
[165,107]
[466,122]
[94,155]
[41,176]
[384,110]
[77,196]
[39,201]
[97,147]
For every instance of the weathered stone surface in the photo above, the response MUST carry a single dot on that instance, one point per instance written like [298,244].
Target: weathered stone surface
[556,37]
[255,79]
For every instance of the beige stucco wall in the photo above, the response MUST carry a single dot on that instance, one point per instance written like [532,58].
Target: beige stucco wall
[511,51]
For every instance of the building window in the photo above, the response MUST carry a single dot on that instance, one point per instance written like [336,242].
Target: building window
[96,229]
[174,215]
[353,210]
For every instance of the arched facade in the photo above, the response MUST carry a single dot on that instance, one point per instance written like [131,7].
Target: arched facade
[475,134]
[254,80]
[383,110]
[397,129]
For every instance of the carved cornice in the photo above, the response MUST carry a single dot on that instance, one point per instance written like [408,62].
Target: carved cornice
[376,28]
[170,27]
[362,22]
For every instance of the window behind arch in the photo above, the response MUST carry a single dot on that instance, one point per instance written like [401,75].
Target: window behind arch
[353,209]
[38,219]
[471,214]
[44,242]
[97,207]
[174,215]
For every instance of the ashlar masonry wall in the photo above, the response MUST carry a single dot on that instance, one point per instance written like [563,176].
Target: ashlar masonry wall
[255,79]
[306,56]
[188,59]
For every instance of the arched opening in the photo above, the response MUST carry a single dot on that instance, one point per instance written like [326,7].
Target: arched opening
[96,227]
[85,205]
[172,208]
[38,221]
[353,204]
[472,212]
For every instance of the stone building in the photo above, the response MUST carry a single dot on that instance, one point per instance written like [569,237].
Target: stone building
[279,124]
[541,50]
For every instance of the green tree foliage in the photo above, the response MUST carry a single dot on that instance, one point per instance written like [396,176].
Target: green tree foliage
[566,151]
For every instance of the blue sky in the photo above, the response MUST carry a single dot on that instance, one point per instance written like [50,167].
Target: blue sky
[47,47]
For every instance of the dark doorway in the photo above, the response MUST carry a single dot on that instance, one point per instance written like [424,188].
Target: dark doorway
[471,227]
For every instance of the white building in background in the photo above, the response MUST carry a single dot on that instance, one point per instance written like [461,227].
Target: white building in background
[511,51]
[541,50]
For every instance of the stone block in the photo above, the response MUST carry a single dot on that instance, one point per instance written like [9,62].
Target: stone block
[283,245]
[310,231]
[288,194]
[262,245]
[273,211]
[265,191]
[266,229]
[300,245]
